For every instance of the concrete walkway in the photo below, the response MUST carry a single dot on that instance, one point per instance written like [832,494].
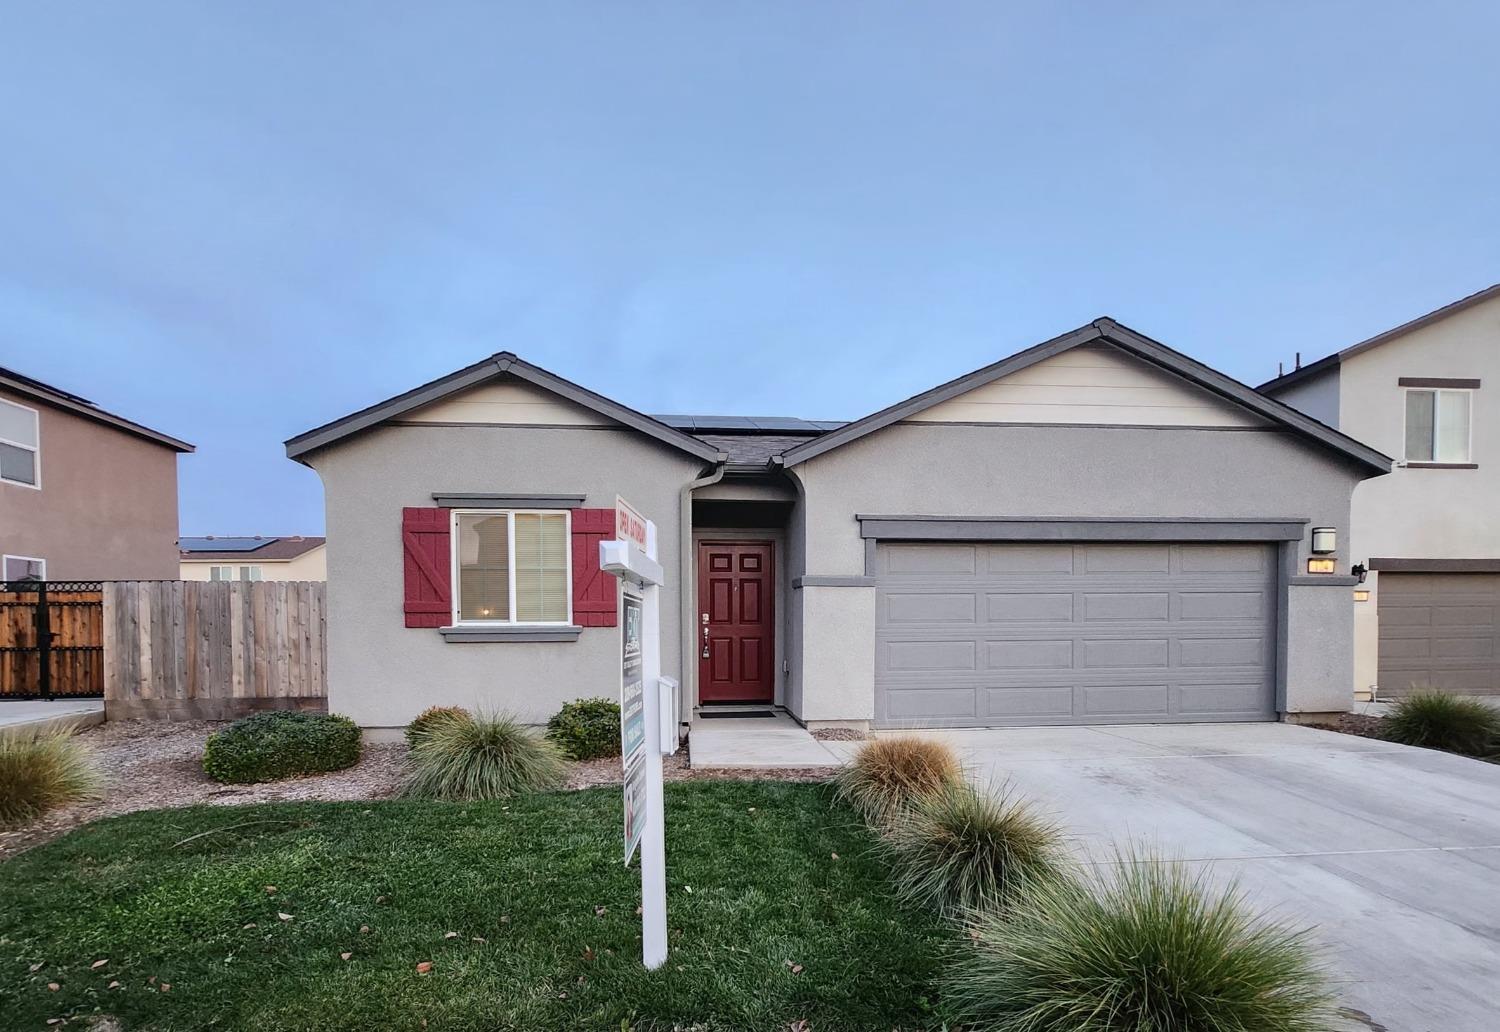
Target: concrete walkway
[43,714]
[764,742]
[1392,853]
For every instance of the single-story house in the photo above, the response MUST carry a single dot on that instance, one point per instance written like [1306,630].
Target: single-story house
[1097,529]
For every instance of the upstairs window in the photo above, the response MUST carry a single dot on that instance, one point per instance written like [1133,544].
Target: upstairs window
[22,567]
[1437,426]
[513,567]
[20,438]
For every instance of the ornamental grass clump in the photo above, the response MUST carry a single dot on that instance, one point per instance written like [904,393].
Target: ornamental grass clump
[1437,720]
[430,718]
[281,744]
[41,771]
[488,756]
[961,850]
[889,774]
[1152,948]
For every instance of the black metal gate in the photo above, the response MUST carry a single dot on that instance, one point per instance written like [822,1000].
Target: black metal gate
[51,639]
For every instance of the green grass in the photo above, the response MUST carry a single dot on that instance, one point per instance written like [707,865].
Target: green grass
[753,888]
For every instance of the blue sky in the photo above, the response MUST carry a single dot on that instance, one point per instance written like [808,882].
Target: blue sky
[235,221]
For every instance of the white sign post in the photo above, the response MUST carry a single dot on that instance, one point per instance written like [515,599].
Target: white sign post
[632,558]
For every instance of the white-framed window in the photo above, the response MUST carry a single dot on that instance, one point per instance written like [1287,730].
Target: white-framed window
[1438,425]
[22,567]
[248,573]
[20,445]
[512,566]
[221,573]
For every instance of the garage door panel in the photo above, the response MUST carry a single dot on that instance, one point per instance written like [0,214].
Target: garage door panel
[1138,700]
[1037,701]
[1439,630]
[1099,606]
[929,607]
[1029,655]
[1028,559]
[924,559]
[1126,559]
[1116,632]
[1031,607]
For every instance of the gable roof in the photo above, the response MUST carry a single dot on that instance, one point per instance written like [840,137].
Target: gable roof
[499,364]
[1334,360]
[34,389]
[255,549]
[1105,331]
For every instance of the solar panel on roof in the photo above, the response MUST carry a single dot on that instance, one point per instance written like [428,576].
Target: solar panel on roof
[224,544]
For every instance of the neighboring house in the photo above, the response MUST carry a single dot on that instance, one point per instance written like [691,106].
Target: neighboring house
[292,558]
[1426,392]
[84,494]
[1095,530]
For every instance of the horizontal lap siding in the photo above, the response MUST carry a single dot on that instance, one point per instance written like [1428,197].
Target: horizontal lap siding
[986,634]
[1439,630]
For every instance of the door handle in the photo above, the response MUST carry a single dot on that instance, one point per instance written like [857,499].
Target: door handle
[705,641]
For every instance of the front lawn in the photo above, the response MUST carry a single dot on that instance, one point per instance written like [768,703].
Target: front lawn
[779,913]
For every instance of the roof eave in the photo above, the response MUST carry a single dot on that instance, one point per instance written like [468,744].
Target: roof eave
[95,414]
[502,363]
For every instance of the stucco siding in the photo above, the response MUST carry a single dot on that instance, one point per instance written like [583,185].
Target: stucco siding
[1318,396]
[1422,513]
[312,566]
[382,673]
[1067,471]
[107,506]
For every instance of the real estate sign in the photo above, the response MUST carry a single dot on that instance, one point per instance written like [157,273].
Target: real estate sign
[632,721]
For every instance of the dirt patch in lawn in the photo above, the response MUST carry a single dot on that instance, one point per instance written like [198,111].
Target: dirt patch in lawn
[149,765]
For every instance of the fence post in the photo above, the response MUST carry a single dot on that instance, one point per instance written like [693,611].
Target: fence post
[43,624]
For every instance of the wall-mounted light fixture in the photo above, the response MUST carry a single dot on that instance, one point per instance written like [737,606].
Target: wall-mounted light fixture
[1361,594]
[1359,570]
[1316,565]
[1325,540]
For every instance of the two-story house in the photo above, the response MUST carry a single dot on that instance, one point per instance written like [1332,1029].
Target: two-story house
[84,494]
[1428,393]
[290,558]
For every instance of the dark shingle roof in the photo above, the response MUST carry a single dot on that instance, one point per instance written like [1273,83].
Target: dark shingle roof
[753,449]
[270,548]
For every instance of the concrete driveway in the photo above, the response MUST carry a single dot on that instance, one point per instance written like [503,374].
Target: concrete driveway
[1392,852]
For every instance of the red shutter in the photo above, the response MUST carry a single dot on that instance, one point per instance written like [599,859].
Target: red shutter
[427,565]
[593,589]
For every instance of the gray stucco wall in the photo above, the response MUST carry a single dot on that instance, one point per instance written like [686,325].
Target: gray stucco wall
[1068,471]
[382,673]
[1318,396]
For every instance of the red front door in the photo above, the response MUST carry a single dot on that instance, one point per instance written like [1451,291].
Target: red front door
[736,622]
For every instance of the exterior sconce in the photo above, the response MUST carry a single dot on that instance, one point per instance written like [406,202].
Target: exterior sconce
[1325,540]
[1360,570]
[1316,565]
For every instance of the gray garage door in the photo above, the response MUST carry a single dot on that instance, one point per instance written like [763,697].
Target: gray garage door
[994,634]
[1440,630]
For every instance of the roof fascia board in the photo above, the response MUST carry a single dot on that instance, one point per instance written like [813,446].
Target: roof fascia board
[478,373]
[98,415]
[1248,397]
[1327,364]
[952,389]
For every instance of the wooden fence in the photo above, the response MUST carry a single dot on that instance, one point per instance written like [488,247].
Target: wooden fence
[213,649]
[51,639]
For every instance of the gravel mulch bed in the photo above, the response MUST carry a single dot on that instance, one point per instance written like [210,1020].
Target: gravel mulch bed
[839,734]
[1353,724]
[151,765]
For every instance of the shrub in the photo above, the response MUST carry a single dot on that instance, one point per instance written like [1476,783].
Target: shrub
[1438,720]
[488,757]
[888,774]
[1153,949]
[587,729]
[279,744]
[39,771]
[961,850]
[432,716]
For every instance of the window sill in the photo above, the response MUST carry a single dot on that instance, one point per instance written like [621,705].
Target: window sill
[1441,465]
[561,632]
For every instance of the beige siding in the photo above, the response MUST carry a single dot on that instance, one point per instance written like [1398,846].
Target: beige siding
[1091,385]
[507,402]
[311,566]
